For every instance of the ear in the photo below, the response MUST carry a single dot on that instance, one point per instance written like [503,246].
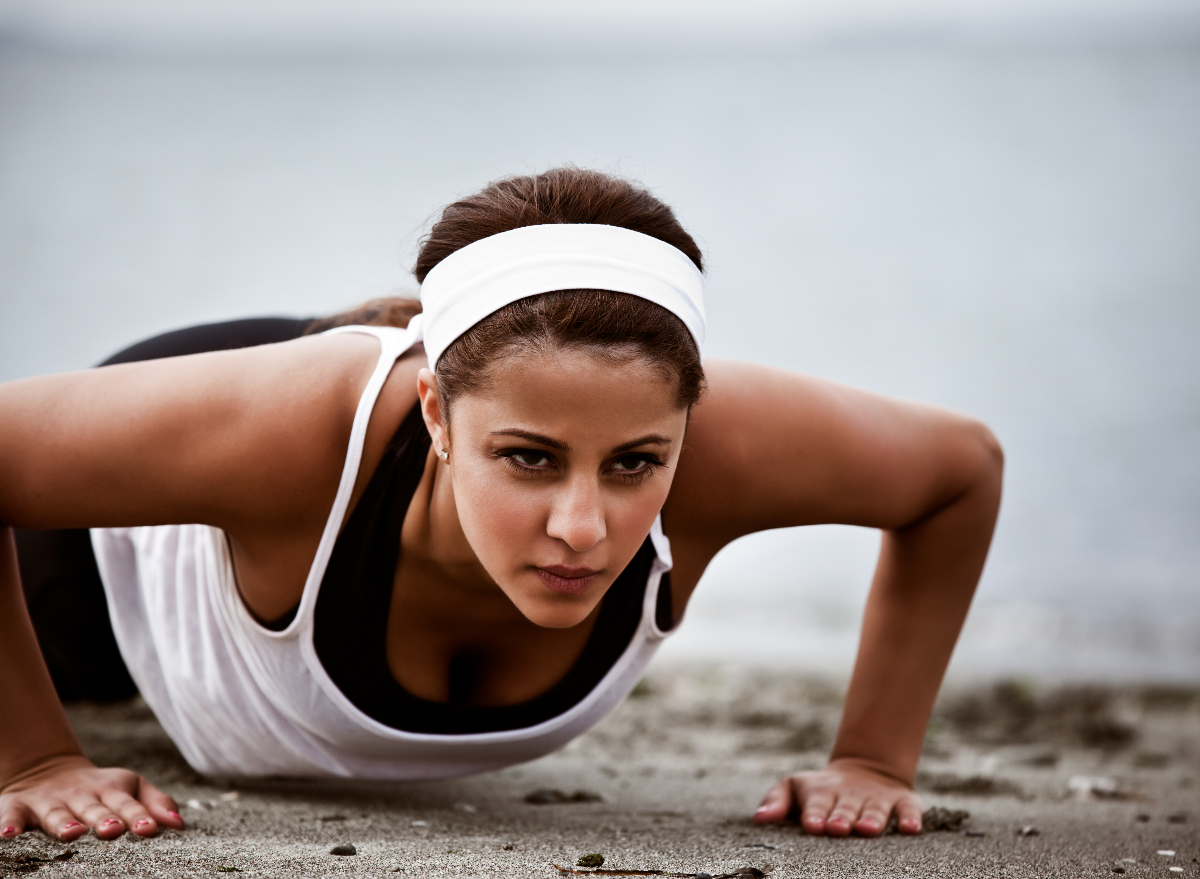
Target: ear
[431,410]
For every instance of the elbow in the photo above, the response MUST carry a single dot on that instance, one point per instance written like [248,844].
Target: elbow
[986,457]
[989,447]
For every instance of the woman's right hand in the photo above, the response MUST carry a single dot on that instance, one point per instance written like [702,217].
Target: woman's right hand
[65,796]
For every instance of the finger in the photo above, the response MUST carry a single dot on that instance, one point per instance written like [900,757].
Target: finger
[814,811]
[909,810]
[132,812]
[845,813]
[13,820]
[873,818]
[103,820]
[776,804]
[161,807]
[57,820]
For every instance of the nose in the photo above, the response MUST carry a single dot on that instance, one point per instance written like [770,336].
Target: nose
[577,517]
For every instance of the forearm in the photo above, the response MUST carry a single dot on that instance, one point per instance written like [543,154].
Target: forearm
[923,587]
[33,727]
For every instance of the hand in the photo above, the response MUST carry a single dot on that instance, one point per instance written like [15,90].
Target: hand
[67,795]
[846,796]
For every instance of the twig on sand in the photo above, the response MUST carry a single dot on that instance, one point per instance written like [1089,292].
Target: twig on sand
[600,871]
[742,873]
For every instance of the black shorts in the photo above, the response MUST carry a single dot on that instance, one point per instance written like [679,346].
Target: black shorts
[58,568]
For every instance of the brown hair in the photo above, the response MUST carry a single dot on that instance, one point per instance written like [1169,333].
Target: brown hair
[616,326]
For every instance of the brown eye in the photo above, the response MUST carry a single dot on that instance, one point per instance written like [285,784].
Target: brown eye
[630,465]
[528,462]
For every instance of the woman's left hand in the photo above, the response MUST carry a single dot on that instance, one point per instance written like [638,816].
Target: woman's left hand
[847,796]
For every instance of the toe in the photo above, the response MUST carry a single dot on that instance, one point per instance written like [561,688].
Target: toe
[908,814]
[873,819]
[775,804]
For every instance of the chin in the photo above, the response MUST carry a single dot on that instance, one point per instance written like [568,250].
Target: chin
[556,615]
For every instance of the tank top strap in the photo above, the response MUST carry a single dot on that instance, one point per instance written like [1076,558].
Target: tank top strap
[393,342]
[659,580]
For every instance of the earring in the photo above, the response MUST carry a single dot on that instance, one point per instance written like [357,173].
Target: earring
[444,455]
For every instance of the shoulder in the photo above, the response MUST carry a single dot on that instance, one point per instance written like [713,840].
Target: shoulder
[227,438]
[767,448]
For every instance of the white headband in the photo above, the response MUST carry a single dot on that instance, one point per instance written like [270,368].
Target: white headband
[483,277]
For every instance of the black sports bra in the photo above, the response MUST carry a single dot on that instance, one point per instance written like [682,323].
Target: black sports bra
[350,624]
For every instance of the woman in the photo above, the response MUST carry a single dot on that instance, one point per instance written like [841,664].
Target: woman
[527,501]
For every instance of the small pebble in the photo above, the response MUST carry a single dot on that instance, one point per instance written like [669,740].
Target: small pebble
[594,859]
[343,850]
[1175,869]
[1084,787]
[231,797]
[1167,852]
[196,804]
[1118,869]
[1028,830]
[508,847]
[1177,818]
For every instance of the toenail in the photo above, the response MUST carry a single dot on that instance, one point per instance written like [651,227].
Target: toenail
[71,824]
[109,821]
[175,815]
[142,823]
[9,830]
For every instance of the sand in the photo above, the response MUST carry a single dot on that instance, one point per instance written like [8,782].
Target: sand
[1106,779]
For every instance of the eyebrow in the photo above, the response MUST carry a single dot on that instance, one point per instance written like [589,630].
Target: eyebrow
[650,439]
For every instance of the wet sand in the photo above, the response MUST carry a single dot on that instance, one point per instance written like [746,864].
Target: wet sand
[1101,779]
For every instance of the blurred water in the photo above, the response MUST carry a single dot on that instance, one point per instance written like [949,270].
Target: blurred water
[1010,229]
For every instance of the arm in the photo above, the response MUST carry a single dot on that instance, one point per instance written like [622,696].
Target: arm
[810,451]
[251,441]
[45,780]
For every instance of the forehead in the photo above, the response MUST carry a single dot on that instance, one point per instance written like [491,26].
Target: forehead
[573,391]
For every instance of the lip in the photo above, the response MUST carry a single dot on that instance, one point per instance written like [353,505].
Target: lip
[566,580]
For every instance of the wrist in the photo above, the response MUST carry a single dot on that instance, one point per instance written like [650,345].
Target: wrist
[19,774]
[859,763]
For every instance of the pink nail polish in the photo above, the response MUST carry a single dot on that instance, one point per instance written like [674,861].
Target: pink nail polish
[175,815]
[9,830]
[109,821]
[144,822]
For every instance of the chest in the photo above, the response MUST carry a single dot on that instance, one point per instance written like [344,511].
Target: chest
[474,649]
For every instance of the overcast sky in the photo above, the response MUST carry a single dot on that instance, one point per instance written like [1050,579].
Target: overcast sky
[333,23]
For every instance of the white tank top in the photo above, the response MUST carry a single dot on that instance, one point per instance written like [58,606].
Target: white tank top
[242,700]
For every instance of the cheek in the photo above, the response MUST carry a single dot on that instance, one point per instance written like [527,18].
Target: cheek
[630,516]
[499,518]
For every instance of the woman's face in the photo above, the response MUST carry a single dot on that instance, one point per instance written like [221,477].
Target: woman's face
[557,473]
